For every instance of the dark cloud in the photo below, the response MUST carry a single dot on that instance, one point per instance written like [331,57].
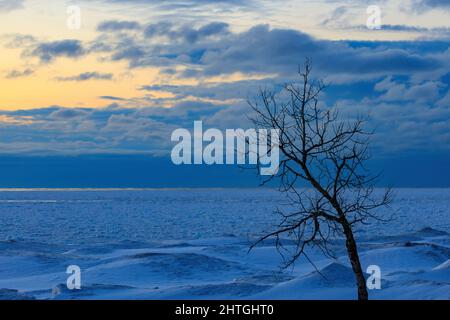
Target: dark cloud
[128,49]
[67,114]
[59,130]
[48,51]
[186,33]
[214,91]
[113,25]
[264,50]
[85,76]
[112,98]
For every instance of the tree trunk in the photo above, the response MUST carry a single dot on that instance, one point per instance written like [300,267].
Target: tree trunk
[352,251]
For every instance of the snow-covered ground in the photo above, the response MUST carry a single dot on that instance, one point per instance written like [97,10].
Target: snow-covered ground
[193,244]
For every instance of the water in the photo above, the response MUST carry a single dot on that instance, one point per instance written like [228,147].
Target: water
[101,216]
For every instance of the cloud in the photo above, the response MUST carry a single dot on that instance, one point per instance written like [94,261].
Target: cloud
[339,18]
[48,51]
[113,25]
[10,5]
[15,41]
[212,50]
[185,33]
[15,120]
[218,91]
[423,5]
[85,76]
[59,130]
[445,101]
[13,74]
[170,5]
[67,114]
[128,50]
[427,91]
[403,28]
[407,115]
[278,50]
[401,84]
[112,98]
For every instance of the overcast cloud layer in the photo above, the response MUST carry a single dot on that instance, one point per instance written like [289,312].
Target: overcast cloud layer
[403,85]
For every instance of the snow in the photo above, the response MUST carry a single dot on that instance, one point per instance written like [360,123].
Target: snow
[193,244]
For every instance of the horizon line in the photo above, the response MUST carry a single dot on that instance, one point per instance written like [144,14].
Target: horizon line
[69,189]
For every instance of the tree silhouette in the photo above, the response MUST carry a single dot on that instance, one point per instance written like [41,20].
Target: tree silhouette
[328,153]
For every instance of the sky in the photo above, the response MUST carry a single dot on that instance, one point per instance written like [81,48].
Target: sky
[89,85]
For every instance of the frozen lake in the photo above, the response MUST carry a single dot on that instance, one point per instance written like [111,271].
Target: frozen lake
[194,244]
[99,216]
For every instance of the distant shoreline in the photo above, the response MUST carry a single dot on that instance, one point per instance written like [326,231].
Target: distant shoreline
[87,189]
[130,189]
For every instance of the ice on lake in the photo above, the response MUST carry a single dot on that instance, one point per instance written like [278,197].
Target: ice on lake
[173,244]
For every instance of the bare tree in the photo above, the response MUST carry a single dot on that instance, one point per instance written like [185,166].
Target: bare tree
[327,152]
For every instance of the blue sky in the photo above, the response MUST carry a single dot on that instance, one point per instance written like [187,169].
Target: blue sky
[138,69]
